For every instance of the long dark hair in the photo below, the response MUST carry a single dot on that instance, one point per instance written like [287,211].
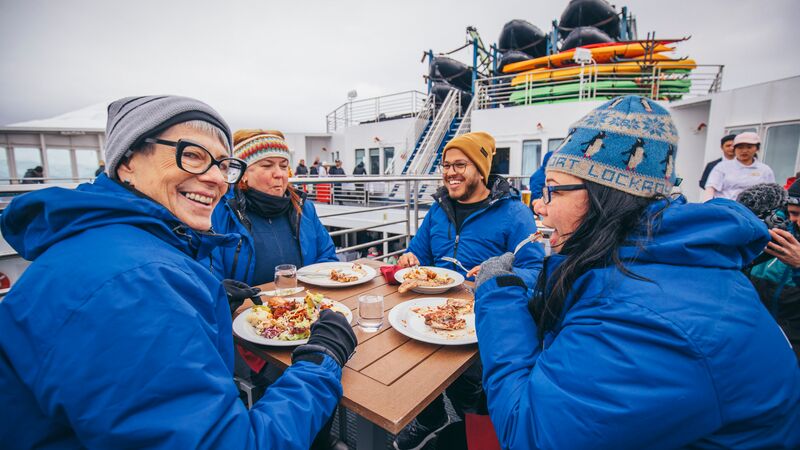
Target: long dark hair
[611,217]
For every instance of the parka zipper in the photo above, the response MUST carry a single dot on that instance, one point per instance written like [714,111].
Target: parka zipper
[236,258]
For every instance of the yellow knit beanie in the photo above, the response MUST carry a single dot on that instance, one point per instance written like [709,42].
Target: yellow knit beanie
[479,148]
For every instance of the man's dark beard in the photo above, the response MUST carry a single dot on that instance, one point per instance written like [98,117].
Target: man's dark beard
[472,185]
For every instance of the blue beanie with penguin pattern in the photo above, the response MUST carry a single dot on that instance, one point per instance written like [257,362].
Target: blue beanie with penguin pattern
[628,143]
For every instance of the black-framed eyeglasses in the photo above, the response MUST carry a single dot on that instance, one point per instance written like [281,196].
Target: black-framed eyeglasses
[196,159]
[458,167]
[547,191]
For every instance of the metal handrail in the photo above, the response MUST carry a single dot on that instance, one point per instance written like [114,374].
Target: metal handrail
[374,109]
[466,119]
[427,151]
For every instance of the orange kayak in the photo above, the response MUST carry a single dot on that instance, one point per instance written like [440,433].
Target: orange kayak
[624,67]
[600,54]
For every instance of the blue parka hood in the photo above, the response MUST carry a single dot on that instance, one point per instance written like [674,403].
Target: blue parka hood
[37,220]
[719,233]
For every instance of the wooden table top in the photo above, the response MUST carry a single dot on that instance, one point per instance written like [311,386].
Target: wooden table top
[391,378]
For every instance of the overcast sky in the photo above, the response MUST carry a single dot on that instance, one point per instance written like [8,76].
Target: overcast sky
[285,64]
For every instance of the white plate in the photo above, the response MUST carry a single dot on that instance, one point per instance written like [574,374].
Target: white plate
[457,280]
[282,292]
[413,325]
[322,272]
[244,330]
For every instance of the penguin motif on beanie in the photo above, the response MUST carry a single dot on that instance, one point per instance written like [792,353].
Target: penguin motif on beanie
[669,162]
[594,145]
[635,155]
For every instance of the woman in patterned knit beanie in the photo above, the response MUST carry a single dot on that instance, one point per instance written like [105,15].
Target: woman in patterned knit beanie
[642,331]
[277,224]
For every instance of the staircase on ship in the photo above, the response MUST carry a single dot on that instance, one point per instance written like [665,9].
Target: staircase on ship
[447,121]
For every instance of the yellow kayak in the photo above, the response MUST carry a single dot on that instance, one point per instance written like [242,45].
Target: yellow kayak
[600,54]
[625,67]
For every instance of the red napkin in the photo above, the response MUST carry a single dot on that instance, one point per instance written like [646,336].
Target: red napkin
[480,433]
[251,359]
[388,273]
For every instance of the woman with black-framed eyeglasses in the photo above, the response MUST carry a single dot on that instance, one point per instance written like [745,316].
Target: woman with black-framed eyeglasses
[641,331]
[119,325]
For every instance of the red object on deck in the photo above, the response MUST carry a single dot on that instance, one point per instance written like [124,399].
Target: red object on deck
[323,193]
[388,273]
[255,362]
[480,433]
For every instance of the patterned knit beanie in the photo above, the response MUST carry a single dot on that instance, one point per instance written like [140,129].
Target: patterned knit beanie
[628,143]
[259,144]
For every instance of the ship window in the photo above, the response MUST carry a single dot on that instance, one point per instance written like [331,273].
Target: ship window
[531,156]
[87,162]
[26,158]
[374,161]
[500,161]
[388,158]
[4,173]
[59,164]
[741,130]
[553,144]
[781,149]
[360,156]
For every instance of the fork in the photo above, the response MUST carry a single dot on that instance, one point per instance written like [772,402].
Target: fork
[454,261]
[532,238]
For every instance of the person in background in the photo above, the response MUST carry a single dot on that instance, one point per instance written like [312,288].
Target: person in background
[324,169]
[642,331]
[361,192]
[314,171]
[536,182]
[337,171]
[475,216]
[301,169]
[726,146]
[276,223]
[100,169]
[729,178]
[360,170]
[373,252]
[33,176]
[136,348]
[776,273]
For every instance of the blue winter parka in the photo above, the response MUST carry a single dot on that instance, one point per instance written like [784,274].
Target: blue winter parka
[489,232]
[688,359]
[238,261]
[115,337]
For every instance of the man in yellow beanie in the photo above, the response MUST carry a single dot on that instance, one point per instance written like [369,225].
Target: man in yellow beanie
[476,216]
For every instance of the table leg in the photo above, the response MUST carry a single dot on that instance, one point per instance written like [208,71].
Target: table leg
[368,435]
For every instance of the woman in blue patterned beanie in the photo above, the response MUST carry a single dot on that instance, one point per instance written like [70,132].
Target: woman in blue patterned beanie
[642,331]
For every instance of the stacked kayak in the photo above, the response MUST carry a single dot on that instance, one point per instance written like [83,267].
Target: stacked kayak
[667,90]
[619,68]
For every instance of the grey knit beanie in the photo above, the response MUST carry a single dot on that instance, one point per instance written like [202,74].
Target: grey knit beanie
[133,119]
[763,198]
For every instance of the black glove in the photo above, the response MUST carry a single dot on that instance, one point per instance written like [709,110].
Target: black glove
[238,292]
[332,335]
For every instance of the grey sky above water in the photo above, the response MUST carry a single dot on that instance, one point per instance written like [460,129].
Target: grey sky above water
[284,65]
